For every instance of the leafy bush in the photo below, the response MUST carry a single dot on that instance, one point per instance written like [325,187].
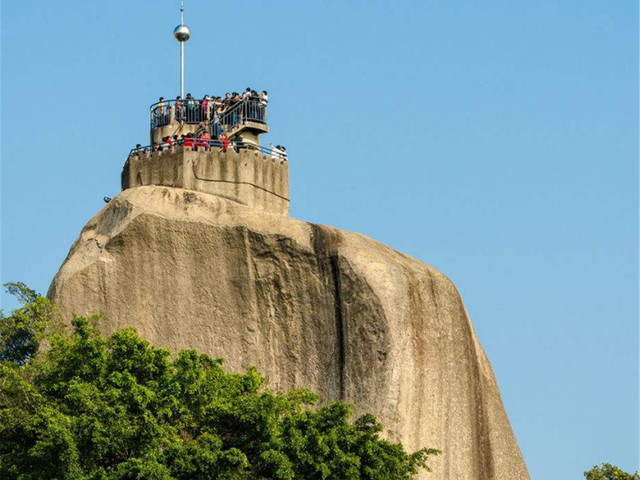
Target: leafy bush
[607,471]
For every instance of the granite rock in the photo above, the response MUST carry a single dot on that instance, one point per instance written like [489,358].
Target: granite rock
[309,306]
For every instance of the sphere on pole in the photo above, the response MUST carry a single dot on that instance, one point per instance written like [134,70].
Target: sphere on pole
[182,33]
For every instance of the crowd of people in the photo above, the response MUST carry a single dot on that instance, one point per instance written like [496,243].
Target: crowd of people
[209,112]
[204,142]
[278,151]
[210,108]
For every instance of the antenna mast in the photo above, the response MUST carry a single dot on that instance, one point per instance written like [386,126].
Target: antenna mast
[182,34]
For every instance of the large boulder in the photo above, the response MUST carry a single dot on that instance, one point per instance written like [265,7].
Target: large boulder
[309,306]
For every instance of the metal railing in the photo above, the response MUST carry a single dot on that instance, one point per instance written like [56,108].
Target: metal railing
[199,144]
[251,109]
[193,112]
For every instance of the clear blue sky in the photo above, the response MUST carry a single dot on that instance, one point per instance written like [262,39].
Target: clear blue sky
[496,141]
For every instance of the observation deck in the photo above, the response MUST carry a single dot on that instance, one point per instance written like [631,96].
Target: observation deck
[246,118]
[213,148]
[211,145]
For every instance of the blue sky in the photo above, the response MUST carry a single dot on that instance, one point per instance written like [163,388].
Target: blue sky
[496,141]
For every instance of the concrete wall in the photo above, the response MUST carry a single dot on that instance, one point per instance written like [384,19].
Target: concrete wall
[249,131]
[174,128]
[248,177]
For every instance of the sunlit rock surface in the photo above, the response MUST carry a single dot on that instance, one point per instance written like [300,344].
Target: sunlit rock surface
[309,306]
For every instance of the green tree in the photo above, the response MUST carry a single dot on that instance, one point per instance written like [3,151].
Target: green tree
[117,408]
[607,471]
[23,330]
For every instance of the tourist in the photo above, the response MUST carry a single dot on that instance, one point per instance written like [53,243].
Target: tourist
[217,127]
[190,142]
[236,140]
[276,152]
[159,112]
[168,114]
[279,152]
[213,105]
[273,152]
[225,143]
[264,98]
[179,109]
[190,108]
[202,141]
[234,116]
[166,144]
[204,107]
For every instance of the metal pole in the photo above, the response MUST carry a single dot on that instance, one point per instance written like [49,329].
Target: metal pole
[182,34]
[182,70]
[182,53]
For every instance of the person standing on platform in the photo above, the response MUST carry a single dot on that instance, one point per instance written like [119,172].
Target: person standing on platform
[179,109]
[236,140]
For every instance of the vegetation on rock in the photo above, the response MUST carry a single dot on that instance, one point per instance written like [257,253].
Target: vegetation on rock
[117,408]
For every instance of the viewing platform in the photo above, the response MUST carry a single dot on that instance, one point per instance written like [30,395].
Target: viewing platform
[246,117]
[246,173]
[211,145]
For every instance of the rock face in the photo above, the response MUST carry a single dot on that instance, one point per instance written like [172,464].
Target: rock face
[309,306]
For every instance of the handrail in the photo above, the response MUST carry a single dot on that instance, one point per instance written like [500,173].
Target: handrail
[252,109]
[172,100]
[193,112]
[200,143]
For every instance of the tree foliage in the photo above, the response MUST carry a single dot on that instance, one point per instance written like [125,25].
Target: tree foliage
[117,408]
[22,332]
[607,471]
